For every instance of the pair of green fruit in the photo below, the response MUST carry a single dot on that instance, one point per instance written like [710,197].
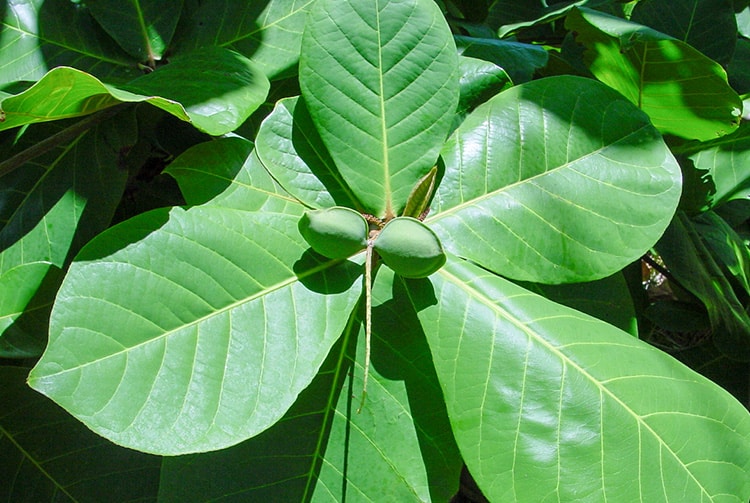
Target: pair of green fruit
[405,244]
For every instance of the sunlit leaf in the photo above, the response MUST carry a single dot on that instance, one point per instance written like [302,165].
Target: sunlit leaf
[548,403]
[226,319]
[531,173]
[684,92]
[381,92]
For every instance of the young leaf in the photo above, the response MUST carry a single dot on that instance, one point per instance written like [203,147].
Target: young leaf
[557,180]
[224,321]
[381,82]
[548,403]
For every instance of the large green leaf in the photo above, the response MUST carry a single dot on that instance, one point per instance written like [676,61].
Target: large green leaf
[76,466]
[226,319]
[268,32]
[557,180]
[684,92]
[519,60]
[549,404]
[708,25]
[50,207]
[38,35]
[398,448]
[144,28]
[380,80]
[215,89]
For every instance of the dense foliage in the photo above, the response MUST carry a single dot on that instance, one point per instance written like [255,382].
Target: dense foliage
[559,308]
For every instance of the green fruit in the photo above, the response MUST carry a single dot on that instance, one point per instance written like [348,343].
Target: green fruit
[336,232]
[410,248]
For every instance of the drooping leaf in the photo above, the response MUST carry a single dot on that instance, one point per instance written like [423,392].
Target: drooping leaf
[557,180]
[50,207]
[225,320]
[509,16]
[548,403]
[684,92]
[519,60]
[708,25]
[381,83]
[143,28]
[77,466]
[267,32]
[39,35]
[399,448]
[215,89]
[226,172]
[727,160]
[293,152]
[692,264]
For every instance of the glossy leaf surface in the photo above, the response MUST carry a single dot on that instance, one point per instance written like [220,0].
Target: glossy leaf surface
[529,174]
[381,92]
[548,404]
[684,92]
[226,321]
[224,89]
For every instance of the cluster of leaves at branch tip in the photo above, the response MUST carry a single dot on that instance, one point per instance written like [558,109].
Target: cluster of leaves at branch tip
[405,244]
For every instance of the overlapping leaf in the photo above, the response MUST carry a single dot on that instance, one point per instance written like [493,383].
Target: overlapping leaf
[226,172]
[38,35]
[684,92]
[531,173]
[293,152]
[708,25]
[143,28]
[399,448]
[268,32]
[380,81]
[215,89]
[226,320]
[36,469]
[548,404]
[51,207]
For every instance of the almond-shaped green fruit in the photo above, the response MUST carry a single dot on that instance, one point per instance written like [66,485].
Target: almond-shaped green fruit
[410,248]
[336,232]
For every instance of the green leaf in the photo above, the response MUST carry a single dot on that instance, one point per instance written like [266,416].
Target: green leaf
[39,35]
[480,80]
[707,25]
[727,160]
[225,321]
[695,268]
[268,32]
[557,180]
[399,448]
[294,154]
[381,83]
[519,60]
[144,28]
[548,403]
[684,92]
[215,89]
[51,206]
[509,16]
[77,466]
[226,172]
